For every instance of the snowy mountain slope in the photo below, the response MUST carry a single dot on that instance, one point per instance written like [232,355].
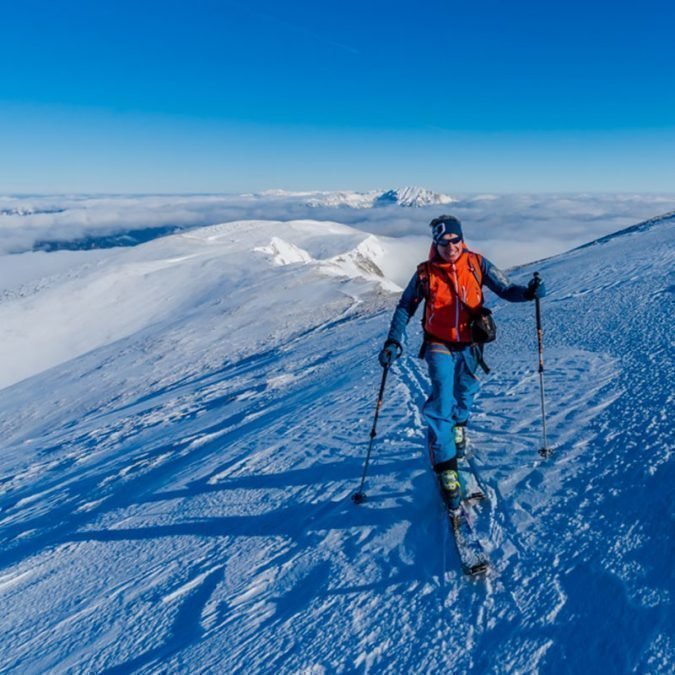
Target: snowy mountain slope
[208,273]
[177,498]
[640,227]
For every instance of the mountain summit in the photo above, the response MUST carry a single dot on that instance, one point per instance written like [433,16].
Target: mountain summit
[403,196]
[412,196]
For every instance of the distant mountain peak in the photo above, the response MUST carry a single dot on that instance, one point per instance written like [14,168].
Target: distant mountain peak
[403,196]
[412,196]
[28,211]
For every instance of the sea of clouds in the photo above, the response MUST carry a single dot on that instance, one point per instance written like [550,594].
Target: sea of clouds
[508,229]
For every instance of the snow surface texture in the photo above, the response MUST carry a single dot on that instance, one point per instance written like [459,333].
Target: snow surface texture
[175,488]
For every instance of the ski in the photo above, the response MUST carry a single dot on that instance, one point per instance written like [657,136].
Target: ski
[475,490]
[472,556]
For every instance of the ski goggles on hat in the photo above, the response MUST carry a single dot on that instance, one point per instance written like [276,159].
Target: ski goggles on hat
[446,242]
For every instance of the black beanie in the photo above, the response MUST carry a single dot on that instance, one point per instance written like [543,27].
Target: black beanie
[445,225]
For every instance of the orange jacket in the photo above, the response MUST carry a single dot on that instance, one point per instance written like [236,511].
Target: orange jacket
[445,317]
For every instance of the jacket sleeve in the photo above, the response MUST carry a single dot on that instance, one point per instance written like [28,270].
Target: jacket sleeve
[406,308]
[499,283]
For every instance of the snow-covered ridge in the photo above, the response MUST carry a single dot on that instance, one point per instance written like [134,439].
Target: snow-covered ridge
[412,196]
[644,226]
[404,196]
[284,253]
[82,302]
[356,200]
[363,261]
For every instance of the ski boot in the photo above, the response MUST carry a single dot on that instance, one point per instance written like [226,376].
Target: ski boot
[452,489]
[459,431]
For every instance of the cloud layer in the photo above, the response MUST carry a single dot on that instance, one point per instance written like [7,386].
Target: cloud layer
[509,229]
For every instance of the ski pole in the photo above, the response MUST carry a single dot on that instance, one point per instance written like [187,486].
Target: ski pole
[359,496]
[544,451]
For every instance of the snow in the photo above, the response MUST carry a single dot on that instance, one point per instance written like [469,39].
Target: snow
[412,196]
[284,253]
[133,289]
[184,422]
[403,196]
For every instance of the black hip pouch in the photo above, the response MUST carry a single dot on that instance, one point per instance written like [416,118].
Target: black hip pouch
[483,326]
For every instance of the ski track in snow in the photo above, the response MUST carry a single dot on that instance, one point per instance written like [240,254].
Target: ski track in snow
[202,523]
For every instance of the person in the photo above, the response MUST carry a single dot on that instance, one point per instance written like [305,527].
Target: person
[450,283]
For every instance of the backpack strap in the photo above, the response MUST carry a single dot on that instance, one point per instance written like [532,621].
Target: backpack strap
[423,276]
[423,288]
[476,266]
[477,351]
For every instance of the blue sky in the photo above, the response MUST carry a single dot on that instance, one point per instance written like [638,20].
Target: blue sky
[213,95]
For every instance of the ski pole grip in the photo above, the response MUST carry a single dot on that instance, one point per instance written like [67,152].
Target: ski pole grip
[537,281]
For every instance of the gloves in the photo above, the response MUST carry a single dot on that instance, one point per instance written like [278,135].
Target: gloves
[535,289]
[390,352]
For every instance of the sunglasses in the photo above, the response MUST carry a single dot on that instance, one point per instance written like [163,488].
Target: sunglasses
[447,242]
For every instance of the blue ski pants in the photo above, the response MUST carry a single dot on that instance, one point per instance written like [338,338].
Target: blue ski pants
[454,385]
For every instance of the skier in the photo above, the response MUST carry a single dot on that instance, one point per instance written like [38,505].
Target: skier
[450,282]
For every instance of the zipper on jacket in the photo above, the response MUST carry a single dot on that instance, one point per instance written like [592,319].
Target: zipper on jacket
[454,271]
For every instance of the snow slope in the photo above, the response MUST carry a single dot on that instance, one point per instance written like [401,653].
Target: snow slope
[175,481]
[187,279]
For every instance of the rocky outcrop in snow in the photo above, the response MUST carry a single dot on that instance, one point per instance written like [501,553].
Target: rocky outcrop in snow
[284,253]
[363,261]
